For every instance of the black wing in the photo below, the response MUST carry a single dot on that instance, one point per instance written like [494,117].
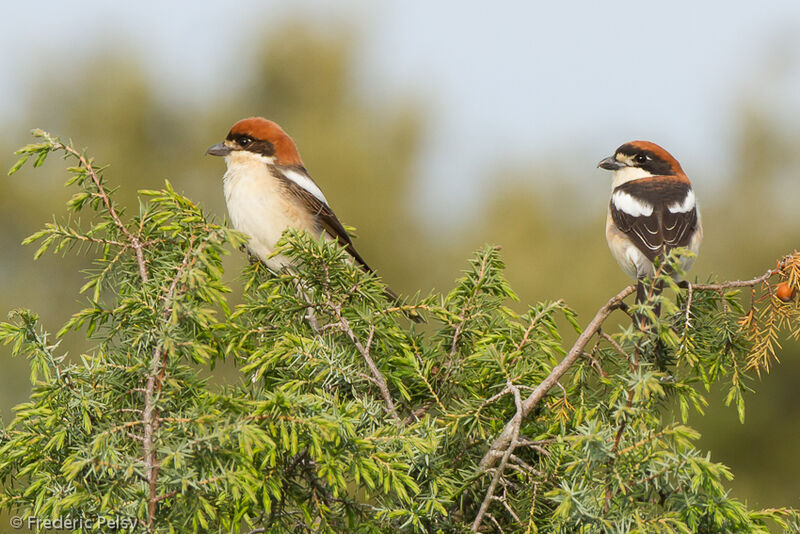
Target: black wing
[659,231]
[328,222]
[324,215]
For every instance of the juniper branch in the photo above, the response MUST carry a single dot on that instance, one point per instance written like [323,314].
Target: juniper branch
[501,444]
[134,241]
[152,390]
[365,353]
[515,423]
[462,317]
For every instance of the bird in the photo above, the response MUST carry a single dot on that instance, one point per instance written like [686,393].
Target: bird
[653,209]
[268,190]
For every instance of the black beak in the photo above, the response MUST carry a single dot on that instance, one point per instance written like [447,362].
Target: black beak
[610,164]
[218,150]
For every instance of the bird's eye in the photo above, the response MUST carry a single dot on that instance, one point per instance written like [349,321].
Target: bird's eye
[640,158]
[245,140]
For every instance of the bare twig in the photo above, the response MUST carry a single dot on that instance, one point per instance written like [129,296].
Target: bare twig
[496,524]
[508,508]
[501,443]
[364,350]
[365,353]
[593,361]
[736,283]
[613,343]
[516,423]
[134,241]
[504,445]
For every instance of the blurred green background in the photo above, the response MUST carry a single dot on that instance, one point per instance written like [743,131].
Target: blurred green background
[404,163]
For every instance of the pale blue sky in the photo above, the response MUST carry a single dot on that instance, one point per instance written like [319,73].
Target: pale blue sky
[509,81]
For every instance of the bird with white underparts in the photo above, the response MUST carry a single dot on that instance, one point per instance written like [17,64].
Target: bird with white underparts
[268,190]
[653,209]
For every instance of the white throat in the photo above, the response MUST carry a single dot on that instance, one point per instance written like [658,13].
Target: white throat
[243,158]
[627,174]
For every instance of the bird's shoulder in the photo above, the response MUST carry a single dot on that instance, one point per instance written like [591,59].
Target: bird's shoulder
[657,191]
[302,188]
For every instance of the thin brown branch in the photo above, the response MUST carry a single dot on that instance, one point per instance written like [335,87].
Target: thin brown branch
[364,350]
[492,399]
[537,443]
[622,424]
[613,343]
[641,442]
[167,495]
[524,465]
[594,363]
[503,446]
[496,524]
[510,510]
[528,331]
[101,192]
[736,283]
[149,417]
[365,353]
[501,443]
[516,424]
[152,391]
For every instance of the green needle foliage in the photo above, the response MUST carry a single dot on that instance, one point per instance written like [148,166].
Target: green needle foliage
[347,418]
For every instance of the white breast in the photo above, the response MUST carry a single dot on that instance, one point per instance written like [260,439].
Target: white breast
[259,207]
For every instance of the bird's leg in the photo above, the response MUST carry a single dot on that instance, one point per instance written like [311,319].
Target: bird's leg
[640,319]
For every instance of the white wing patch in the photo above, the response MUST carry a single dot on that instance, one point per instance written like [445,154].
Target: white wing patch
[685,206]
[305,182]
[631,205]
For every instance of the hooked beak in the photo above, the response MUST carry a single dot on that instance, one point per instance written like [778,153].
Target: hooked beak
[610,164]
[218,150]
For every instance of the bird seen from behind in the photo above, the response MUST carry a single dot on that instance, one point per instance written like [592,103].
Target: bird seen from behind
[653,209]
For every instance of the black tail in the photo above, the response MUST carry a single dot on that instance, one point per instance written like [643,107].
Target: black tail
[644,294]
